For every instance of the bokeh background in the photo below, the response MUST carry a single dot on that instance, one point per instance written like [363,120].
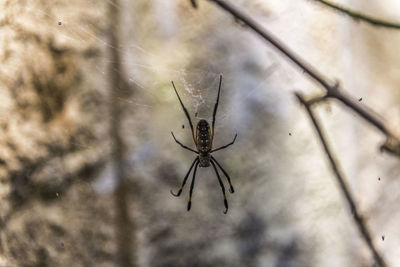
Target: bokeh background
[87,160]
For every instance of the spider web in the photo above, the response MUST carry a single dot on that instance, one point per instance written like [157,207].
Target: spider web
[256,102]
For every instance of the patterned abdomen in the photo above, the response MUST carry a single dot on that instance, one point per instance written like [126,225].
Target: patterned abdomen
[203,137]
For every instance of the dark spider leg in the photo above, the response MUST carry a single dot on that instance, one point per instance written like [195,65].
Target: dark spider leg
[186,112]
[222,187]
[226,174]
[182,145]
[191,187]
[184,179]
[215,108]
[225,146]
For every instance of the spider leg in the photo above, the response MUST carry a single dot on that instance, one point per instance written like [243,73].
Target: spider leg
[226,174]
[184,179]
[225,146]
[186,112]
[222,187]
[215,108]
[191,187]
[182,145]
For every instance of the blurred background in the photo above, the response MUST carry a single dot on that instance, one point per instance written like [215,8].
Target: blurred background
[87,160]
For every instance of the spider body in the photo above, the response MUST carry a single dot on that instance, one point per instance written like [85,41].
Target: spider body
[203,141]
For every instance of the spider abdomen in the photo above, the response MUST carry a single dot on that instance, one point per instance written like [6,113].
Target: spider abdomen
[203,137]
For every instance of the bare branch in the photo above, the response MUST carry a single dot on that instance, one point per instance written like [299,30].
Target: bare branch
[255,26]
[358,219]
[359,16]
[333,90]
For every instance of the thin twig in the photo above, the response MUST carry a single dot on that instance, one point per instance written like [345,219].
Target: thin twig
[359,16]
[255,26]
[355,106]
[332,90]
[340,178]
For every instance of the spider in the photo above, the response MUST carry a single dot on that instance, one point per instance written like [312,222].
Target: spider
[203,141]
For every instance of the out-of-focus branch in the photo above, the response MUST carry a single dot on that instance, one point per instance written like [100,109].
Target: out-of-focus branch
[340,178]
[359,16]
[119,89]
[333,90]
[194,3]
